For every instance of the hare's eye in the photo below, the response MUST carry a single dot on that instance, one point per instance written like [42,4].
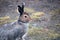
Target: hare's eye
[25,16]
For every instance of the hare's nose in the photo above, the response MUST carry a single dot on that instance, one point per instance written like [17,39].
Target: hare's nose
[30,19]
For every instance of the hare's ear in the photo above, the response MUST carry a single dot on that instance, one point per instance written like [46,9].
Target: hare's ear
[23,4]
[21,9]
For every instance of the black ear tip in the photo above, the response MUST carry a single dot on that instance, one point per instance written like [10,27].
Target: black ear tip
[18,5]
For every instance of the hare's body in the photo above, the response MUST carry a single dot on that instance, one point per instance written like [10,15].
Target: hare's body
[13,31]
[18,29]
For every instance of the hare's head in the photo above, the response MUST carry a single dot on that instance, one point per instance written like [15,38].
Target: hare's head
[24,16]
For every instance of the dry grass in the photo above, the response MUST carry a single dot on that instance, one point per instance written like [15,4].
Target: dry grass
[6,19]
[37,15]
[42,34]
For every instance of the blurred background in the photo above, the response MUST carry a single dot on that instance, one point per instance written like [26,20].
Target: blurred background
[45,15]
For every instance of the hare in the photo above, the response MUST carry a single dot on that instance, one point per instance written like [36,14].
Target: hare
[16,30]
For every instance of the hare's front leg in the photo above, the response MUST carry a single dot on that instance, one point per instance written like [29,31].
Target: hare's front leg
[23,37]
